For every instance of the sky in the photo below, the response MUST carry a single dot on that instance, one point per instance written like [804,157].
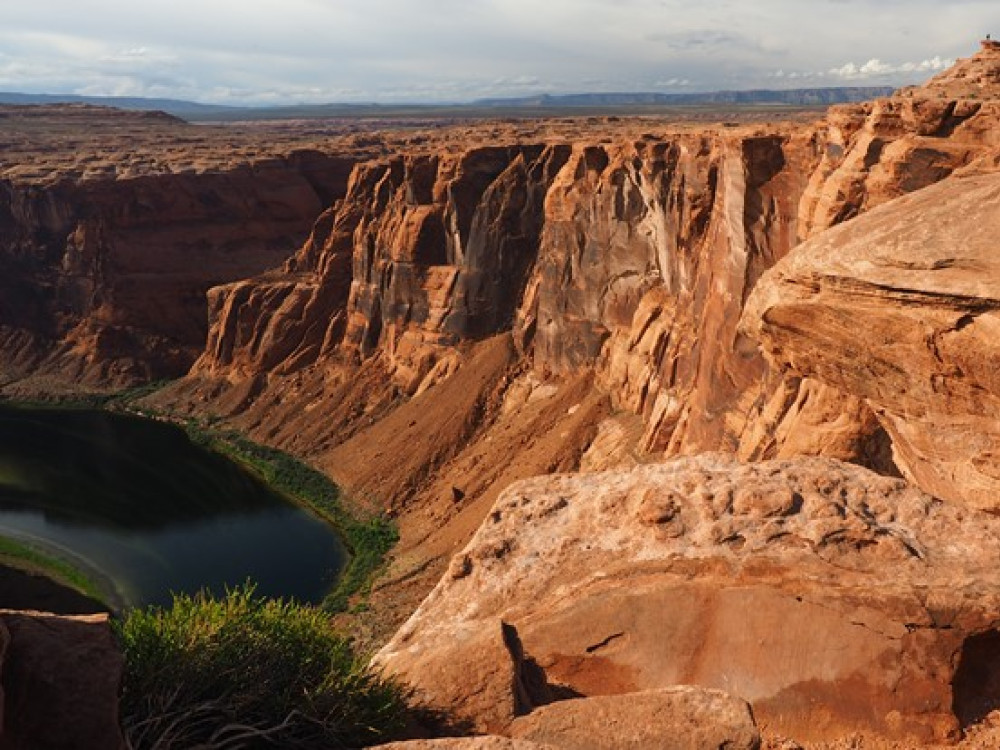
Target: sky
[319,51]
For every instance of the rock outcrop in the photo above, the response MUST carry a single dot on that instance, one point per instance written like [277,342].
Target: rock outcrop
[873,154]
[766,580]
[60,682]
[921,275]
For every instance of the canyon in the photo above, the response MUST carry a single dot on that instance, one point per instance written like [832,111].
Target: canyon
[652,403]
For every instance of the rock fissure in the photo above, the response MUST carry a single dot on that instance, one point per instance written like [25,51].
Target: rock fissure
[604,643]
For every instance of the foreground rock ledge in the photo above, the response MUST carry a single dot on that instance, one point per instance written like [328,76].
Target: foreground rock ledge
[679,718]
[834,600]
[467,743]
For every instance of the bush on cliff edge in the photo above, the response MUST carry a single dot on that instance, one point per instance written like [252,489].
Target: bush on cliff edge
[245,671]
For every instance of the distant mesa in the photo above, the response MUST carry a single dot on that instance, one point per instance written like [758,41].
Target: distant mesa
[790,97]
[535,104]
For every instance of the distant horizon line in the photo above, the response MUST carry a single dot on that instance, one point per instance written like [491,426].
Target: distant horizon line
[559,99]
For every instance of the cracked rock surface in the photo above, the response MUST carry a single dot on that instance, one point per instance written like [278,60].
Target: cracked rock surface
[791,584]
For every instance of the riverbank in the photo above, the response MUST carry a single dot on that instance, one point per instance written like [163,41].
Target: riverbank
[368,541]
[73,587]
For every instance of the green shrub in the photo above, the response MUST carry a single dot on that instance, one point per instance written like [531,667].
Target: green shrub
[244,671]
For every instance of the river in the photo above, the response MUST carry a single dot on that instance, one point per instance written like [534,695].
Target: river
[143,511]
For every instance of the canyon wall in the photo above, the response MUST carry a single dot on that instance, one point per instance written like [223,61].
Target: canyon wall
[473,315]
[629,259]
[104,271]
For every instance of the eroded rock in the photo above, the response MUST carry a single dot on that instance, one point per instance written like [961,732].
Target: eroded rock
[921,274]
[769,581]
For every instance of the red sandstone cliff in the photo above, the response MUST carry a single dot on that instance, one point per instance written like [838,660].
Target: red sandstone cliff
[108,246]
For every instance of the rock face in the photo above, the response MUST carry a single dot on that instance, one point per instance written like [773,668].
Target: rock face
[922,274]
[105,282]
[60,683]
[873,154]
[648,251]
[423,252]
[680,718]
[105,261]
[629,260]
[609,268]
[969,79]
[764,580]
[595,257]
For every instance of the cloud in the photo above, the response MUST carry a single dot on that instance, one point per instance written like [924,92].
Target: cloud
[672,83]
[393,50]
[875,68]
[699,40]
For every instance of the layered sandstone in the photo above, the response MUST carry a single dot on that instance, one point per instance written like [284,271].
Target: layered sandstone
[467,319]
[114,225]
[423,252]
[568,296]
[874,153]
[921,273]
[767,581]
[629,258]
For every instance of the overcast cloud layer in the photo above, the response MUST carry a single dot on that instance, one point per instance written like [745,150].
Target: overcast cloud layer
[285,51]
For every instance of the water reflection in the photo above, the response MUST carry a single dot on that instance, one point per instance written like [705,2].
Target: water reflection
[137,502]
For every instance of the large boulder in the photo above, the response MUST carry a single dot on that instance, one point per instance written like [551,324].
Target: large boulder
[61,677]
[899,308]
[832,599]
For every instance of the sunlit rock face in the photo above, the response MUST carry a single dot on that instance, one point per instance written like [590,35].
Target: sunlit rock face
[921,273]
[767,581]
